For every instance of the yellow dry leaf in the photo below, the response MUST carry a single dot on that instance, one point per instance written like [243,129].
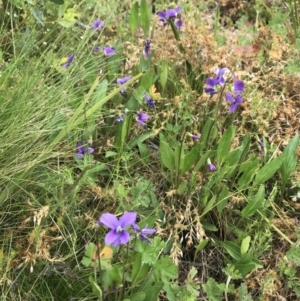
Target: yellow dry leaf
[106,252]
[153,94]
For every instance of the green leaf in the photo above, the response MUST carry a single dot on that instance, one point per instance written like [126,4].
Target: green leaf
[136,266]
[140,296]
[209,205]
[96,288]
[144,152]
[147,80]
[243,293]
[248,170]
[268,170]
[99,93]
[201,161]
[134,18]
[245,264]
[141,139]
[293,254]
[255,203]
[181,188]
[122,133]
[190,158]
[224,144]
[69,18]
[245,245]
[213,291]
[145,17]
[166,155]
[232,249]
[58,2]
[166,268]
[163,77]
[201,245]
[153,290]
[178,158]
[209,227]
[222,199]
[206,133]
[88,254]
[290,159]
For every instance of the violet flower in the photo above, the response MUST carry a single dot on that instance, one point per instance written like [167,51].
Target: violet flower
[169,14]
[220,75]
[97,24]
[142,233]
[237,99]
[81,151]
[262,147]
[109,51]
[238,86]
[120,118]
[234,101]
[69,61]
[211,166]
[147,48]
[173,12]
[178,24]
[122,81]
[195,137]
[149,101]
[261,144]
[211,84]
[117,235]
[142,117]
[162,17]
[96,48]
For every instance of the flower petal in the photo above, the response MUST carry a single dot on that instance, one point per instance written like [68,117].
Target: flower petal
[238,87]
[229,97]
[111,237]
[124,237]
[127,219]
[109,220]
[146,231]
[145,238]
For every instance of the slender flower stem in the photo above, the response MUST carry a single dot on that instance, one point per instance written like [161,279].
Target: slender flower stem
[220,101]
[121,296]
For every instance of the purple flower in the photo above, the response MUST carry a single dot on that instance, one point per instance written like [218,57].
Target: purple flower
[81,151]
[147,49]
[96,48]
[97,24]
[178,24]
[149,101]
[164,16]
[120,118]
[69,61]
[109,50]
[211,84]
[234,101]
[122,81]
[143,232]
[238,86]
[220,75]
[117,235]
[195,137]
[262,147]
[172,13]
[142,117]
[210,165]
